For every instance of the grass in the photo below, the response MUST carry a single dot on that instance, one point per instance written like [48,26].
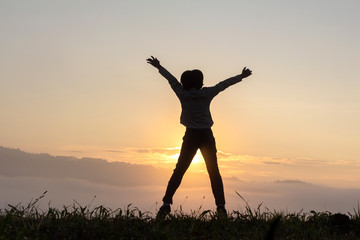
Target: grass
[79,222]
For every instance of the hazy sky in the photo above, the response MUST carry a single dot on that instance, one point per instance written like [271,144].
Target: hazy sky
[74,80]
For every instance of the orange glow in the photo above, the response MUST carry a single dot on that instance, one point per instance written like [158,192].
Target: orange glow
[175,156]
[197,159]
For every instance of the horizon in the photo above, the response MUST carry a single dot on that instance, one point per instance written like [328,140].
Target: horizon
[74,81]
[340,174]
[94,181]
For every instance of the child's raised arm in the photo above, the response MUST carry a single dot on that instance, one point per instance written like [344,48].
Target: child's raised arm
[221,86]
[174,83]
[246,72]
[154,62]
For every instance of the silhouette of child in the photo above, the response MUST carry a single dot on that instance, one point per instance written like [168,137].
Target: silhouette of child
[195,116]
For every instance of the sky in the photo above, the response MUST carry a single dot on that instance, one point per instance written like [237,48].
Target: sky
[74,82]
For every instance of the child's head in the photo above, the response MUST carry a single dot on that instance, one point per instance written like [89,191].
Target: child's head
[192,79]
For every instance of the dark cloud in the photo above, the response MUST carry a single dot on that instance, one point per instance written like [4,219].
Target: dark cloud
[271,162]
[16,163]
[290,181]
[115,151]
[166,151]
[140,150]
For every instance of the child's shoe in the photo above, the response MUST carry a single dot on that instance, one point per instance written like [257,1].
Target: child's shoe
[163,211]
[221,210]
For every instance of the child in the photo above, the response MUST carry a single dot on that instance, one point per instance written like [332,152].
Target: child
[195,116]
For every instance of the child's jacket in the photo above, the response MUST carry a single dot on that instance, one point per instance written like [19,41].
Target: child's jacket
[195,103]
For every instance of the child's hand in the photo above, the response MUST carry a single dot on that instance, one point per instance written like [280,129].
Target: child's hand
[153,61]
[246,72]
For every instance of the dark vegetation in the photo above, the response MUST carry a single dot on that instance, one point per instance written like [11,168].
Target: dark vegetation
[78,222]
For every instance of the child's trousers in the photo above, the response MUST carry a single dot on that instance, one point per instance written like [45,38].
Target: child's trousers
[193,140]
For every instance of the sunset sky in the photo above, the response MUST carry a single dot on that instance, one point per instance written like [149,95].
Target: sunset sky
[74,82]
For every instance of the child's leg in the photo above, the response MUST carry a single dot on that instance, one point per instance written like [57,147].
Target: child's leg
[187,153]
[208,150]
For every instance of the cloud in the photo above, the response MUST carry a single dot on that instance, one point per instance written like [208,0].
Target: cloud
[290,182]
[15,163]
[221,154]
[166,151]
[139,150]
[115,151]
[271,162]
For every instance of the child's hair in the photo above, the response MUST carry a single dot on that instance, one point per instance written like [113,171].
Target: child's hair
[192,79]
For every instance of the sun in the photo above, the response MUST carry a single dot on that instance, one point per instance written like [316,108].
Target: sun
[198,158]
